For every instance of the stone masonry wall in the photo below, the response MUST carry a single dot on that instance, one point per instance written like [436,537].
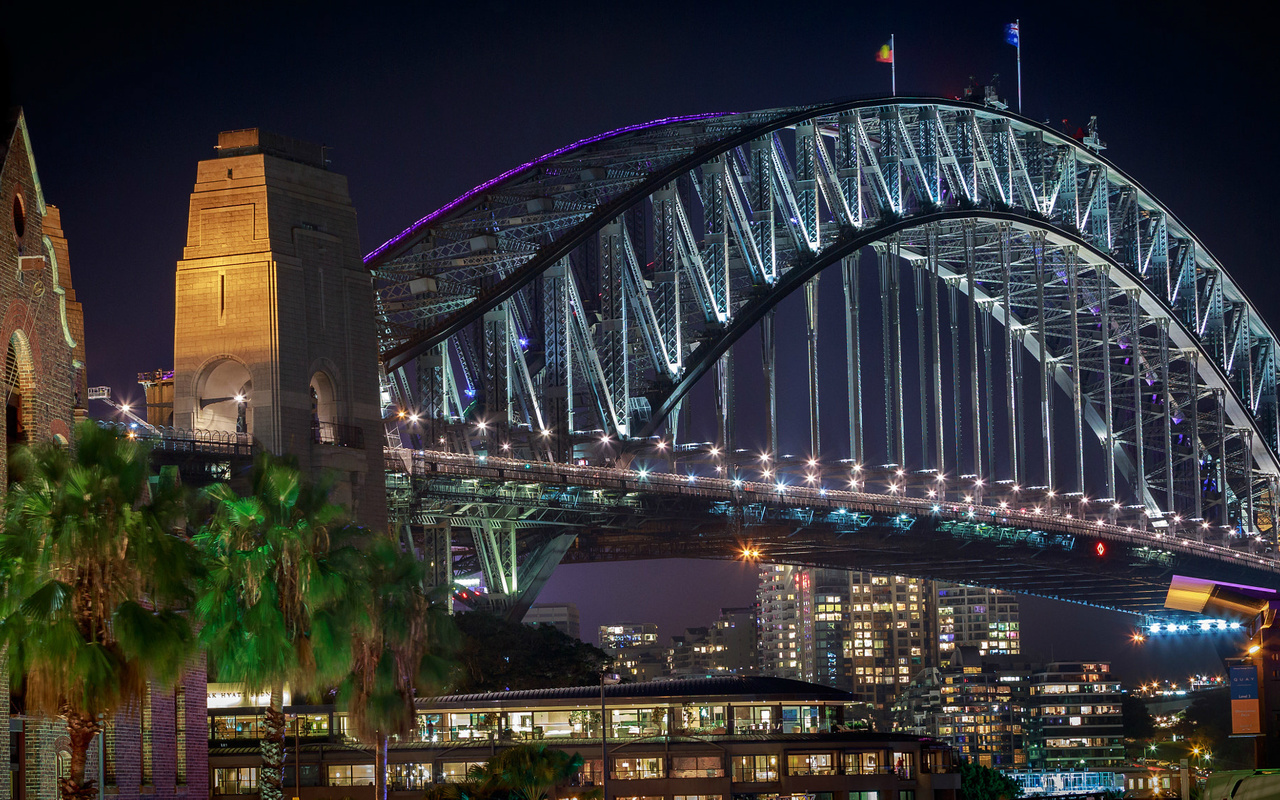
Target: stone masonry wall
[272,280]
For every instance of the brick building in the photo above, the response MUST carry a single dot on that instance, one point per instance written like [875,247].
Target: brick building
[45,391]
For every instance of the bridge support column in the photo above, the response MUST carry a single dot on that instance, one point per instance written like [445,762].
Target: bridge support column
[935,300]
[988,391]
[557,322]
[957,408]
[1013,372]
[1250,524]
[890,274]
[768,356]
[526,581]
[724,403]
[1220,424]
[1167,416]
[433,545]
[853,353]
[1139,439]
[811,330]
[1197,489]
[975,399]
[1046,365]
[1108,402]
[922,365]
[496,550]
[1073,290]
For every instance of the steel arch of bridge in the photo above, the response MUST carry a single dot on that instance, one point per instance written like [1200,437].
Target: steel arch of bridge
[622,268]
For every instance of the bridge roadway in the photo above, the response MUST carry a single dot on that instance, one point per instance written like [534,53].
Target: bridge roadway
[629,514]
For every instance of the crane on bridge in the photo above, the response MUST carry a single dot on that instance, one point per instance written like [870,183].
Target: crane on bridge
[103,393]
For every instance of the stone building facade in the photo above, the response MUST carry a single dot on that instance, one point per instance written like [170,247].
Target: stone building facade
[44,381]
[276,338]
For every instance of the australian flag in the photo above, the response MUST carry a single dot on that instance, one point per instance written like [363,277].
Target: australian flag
[1011,33]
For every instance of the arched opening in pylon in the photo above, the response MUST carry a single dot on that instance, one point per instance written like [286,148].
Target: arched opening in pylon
[324,408]
[225,391]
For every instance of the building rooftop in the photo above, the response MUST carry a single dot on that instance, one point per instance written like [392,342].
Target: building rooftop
[251,141]
[232,748]
[745,687]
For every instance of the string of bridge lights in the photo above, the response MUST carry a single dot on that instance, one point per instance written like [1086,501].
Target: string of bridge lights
[1164,629]
[858,480]
[897,485]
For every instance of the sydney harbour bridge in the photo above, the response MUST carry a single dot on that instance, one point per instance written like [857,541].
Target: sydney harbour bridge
[1051,384]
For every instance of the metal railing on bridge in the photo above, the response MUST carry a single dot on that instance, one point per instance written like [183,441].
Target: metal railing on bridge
[834,502]
[184,440]
[337,434]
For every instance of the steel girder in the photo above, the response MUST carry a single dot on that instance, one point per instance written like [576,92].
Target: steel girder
[624,267]
[548,511]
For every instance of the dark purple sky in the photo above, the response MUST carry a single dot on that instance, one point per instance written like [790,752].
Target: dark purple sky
[419,105]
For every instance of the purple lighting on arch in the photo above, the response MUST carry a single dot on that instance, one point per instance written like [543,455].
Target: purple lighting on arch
[434,215]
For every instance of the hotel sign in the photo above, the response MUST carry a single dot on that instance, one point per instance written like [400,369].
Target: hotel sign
[1246,719]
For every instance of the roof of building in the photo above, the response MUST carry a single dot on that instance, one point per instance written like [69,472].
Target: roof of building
[729,685]
[835,737]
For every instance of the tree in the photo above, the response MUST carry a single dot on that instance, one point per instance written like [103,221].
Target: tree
[275,607]
[534,771]
[498,655]
[403,641]
[1138,723]
[1207,724]
[984,783]
[95,572]
[523,772]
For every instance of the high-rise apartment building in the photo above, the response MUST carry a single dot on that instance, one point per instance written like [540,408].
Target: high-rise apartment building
[969,616]
[998,711]
[868,634]
[635,649]
[893,632]
[785,599]
[984,708]
[561,616]
[1075,717]
[727,647]
[734,635]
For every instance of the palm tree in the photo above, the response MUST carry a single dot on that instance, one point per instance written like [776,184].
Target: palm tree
[402,643]
[524,772]
[94,577]
[535,771]
[279,579]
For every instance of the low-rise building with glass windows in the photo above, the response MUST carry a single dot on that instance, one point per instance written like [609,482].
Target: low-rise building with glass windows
[724,738]
[1075,720]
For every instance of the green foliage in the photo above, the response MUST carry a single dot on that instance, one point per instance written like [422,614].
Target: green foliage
[94,577]
[523,772]
[87,541]
[498,655]
[275,605]
[403,640]
[984,783]
[1207,723]
[1138,722]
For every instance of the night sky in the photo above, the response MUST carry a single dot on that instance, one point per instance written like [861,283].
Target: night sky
[419,105]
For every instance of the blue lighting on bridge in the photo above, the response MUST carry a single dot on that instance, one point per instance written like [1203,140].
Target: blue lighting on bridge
[1203,626]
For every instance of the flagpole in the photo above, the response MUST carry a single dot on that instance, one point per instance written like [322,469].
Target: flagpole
[893,66]
[1018,22]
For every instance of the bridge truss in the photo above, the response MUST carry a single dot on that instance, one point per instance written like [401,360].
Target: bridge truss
[1070,335]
